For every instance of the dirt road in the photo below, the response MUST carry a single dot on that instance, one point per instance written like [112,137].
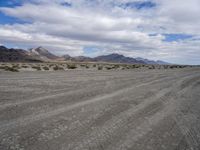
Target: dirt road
[100,110]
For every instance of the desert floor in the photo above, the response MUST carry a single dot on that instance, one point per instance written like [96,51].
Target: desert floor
[100,110]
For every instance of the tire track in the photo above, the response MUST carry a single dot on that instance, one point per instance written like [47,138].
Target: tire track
[57,95]
[167,130]
[32,118]
[121,125]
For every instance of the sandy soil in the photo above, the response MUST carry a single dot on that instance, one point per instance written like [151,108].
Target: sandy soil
[100,110]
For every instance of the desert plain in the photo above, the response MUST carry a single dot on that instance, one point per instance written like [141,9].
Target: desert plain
[105,109]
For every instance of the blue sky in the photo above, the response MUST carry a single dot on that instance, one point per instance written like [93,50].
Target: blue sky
[176,37]
[10,3]
[139,5]
[5,19]
[10,20]
[154,29]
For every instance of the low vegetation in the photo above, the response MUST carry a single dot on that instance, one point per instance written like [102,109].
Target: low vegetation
[94,65]
[36,68]
[15,67]
[24,66]
[100,67]
[57,68]
[8,68]
[109,67]
[71,66]
[46,68]
[87,66]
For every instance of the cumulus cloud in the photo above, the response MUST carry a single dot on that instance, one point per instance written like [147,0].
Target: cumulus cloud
[67,26]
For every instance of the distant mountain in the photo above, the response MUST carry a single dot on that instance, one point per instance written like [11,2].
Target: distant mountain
[162,62]
[67,57]
[82,59]
[111,58]
[16,55]
[147,61]
[42,53]
[114,58]
[19,55]
[117,58]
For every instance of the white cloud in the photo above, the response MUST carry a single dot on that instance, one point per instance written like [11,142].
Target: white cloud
[104,24]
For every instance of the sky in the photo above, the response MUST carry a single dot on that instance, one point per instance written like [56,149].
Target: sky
[167,30]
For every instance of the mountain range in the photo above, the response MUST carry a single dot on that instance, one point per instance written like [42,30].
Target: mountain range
[41,54]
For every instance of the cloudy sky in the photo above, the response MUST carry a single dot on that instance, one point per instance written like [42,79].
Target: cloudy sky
[167,30]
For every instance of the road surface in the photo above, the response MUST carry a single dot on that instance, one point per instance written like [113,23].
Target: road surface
[100,110]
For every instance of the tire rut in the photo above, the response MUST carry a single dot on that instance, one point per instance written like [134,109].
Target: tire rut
[33,118]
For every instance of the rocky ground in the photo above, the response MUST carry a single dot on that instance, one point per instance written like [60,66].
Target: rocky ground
[142,109]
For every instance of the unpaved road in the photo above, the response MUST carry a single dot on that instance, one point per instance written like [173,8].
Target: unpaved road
[100,110]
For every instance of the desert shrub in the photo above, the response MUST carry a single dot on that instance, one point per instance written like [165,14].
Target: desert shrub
[71,66]
[7,68]
[2,67]
[108,68]
[82,65]
[116,66]
[94,65]
[128,67]
[24,66]
[57,68]
[125,66]
[12,69]
[137,66]
[51,65]
[150,67]
[133,66]
[100,68]
[87,67]
[16,66]
[46,68]
[180,66]
[36,67]
[61,65]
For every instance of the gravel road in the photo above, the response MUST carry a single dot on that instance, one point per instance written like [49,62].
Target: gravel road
[100,110]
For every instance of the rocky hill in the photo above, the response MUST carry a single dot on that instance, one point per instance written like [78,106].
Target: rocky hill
[42,53]
[16,55]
